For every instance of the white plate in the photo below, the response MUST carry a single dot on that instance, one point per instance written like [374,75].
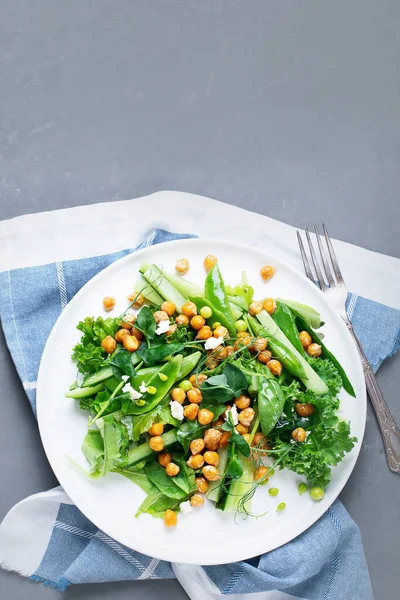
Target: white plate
[205,536]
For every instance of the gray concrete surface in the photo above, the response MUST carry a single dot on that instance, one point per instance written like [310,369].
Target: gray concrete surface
[288,108]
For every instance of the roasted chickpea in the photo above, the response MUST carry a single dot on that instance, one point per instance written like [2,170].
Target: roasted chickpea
[178,395]
[211,473]
[299,435]
[305,339]
[197,446]
[259,439]
[244,338]
[137,299]
[229,350]
[212,438]
[242,429]
[209,262]
[267,273]
[194,396]
[182,320]
[108,303]
[255,307]
[130,343]
[205,416]
[260,344]
[221,332]
[314,350]
[182,266]
[196,500]
[197,322]
[160,315]
[211,362]
[242,402]
[156,443]
[170,518]
[189,309]
[128,321]
[197,379]
[246,416]
[204,333]
[275,367]
[202,485]
[121,333]
[164,458]
[261,473]
[304,409]
[269,305]
[156,429]
[196,461]
[218,423]
[211,458]
[224,441]
[172,469]
[168,307]
[137,334]
[109,344]
[191,411]
[219,353]
[247,436]
[264,357]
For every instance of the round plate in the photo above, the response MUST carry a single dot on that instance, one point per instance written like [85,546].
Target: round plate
[206,536]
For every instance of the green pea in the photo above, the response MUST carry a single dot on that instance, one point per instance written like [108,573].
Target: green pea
[140,402]
[301,488]
[281,506]
[163,376]
[317,493]
[241,325]
[271,472]
[206,312]
[216,324]
[273,491]
[185,385]
[151,390]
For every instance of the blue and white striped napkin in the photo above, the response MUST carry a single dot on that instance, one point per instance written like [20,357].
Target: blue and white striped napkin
[46,538]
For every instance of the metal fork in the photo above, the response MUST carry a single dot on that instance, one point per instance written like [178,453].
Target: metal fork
[332,284]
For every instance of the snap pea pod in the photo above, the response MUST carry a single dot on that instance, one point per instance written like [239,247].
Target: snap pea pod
[216,316]
[215,292]
[287,358]
[303,326]
[271,401]
[187,365]
[283,317]
[171,370]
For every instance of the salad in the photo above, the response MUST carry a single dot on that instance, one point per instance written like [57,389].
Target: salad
[201,392]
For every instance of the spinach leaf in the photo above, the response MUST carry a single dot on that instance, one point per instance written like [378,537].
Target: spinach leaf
[236,380]
[156,354]
[145,323]
[189,431]
[122,363]
[235,469]
[240,443]
[185,478]
[165,484]
[112,439]
[93,449]
[222,388]
[139,478]
[157,503]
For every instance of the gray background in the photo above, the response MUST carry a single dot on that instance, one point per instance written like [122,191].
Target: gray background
[288,108]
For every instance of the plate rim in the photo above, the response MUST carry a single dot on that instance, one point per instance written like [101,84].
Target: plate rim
[362,397]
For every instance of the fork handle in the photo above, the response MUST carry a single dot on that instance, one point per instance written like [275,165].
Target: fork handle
[390,431]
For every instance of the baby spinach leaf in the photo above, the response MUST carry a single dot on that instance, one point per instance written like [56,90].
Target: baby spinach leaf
[236,380]
[93,449]
[145,323]
[188,432]
[122,363]
[240,443]
[157,503]
[156,354]
[163,482]
[235,469]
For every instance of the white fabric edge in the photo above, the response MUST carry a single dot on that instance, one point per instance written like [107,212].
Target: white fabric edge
[26,530]
[109,227]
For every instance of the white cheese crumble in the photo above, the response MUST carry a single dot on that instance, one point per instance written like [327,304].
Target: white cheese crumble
[176,410]
[213,342]
[163,327]
[143,387]
[185,507]
[125,378]
[232,411]
[134,394]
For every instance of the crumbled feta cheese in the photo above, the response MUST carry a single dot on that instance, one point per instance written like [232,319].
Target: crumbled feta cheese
[232,411]
[125,378]
[185,507]
[134,394]
[163,327]
[213,342]
[143,387]
[176,410]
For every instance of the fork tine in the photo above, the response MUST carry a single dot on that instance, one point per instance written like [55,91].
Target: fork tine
[325,262]
[320,277]
[332,255]
[306,264]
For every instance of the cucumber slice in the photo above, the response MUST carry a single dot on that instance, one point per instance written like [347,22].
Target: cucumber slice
[144,451]
[312,381]
[142,286]
[101,375]
[160,283]
[185,287]
[240,487]
[85,392]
